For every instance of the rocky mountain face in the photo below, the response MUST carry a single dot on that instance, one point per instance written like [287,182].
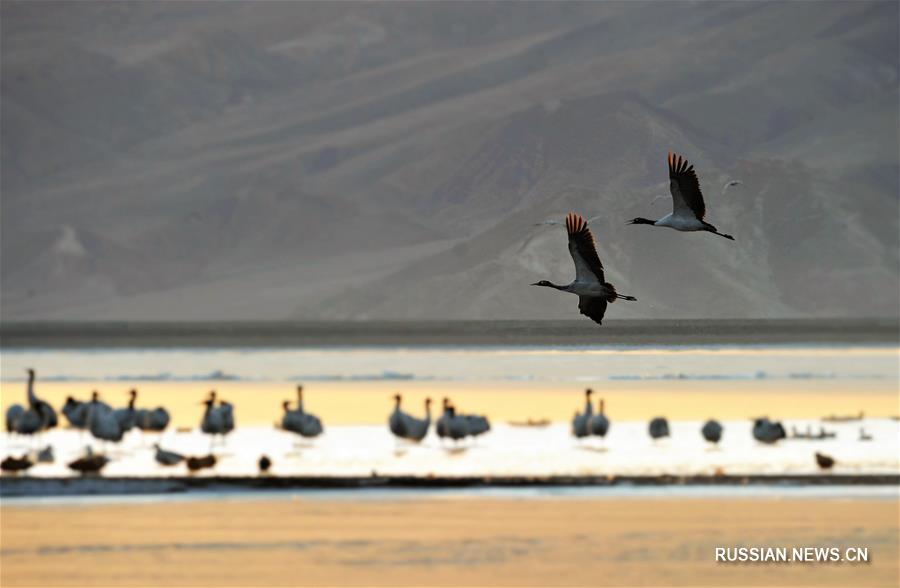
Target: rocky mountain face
[390,160]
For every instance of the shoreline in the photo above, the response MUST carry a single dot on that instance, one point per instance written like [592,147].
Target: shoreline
[78,335]
[27,486]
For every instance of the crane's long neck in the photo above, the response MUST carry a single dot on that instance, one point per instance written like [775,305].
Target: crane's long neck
[300,398]
[32,399]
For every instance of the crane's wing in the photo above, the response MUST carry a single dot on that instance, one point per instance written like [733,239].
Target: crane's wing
[584,253]
[685,188]
[593,307]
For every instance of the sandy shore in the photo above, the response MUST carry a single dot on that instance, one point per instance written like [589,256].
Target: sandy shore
[441,542]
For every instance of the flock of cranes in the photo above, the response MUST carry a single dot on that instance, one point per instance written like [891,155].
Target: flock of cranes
[109,425]
[593,291]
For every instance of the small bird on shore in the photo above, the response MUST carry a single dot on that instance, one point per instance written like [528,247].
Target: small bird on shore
[590,285]
[195,464]
[166,457]
[45,455]
[16,464]
[688,208]
[825,462]
[90,463]
[581,421]
[712,431]
[264,464]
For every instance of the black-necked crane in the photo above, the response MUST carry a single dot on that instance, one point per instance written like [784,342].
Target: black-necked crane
[126,416]
[310,424]
[688,208]
[397,418]
[102,422]
[443,422]
[37,417]
[766,431]
[406,426]
[457,426]
[217,420]
[599,422]
[74,413]
[477,424]
[581,421]
[590,285]
[154,420]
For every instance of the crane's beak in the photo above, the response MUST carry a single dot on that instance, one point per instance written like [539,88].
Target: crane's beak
[631,222]
[536,284]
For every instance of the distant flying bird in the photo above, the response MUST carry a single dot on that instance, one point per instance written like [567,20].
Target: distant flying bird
[712,431]
[581,421]
[593,291]
[659,428]
[554,222]
[729,184]
[825,462]
[688,208]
